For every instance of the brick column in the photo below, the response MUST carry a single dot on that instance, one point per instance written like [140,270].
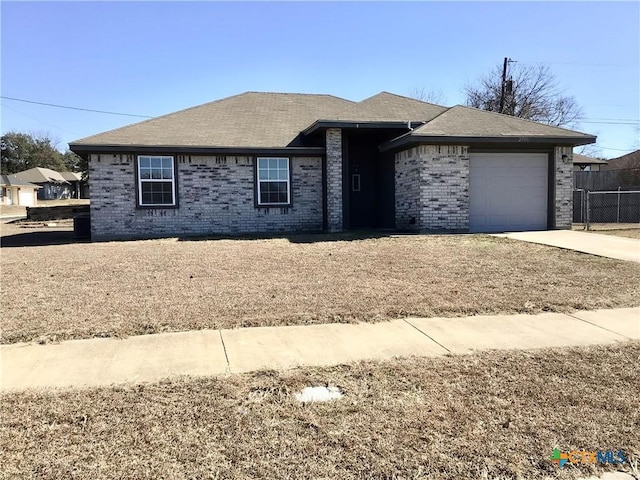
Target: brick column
[334,179]
[563,184]
[444,187]
[407,190]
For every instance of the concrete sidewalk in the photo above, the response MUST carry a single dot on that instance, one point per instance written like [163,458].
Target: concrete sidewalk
[148,358]
[620,248]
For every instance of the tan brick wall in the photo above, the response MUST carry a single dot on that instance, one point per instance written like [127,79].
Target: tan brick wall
[215,196]
[432,187]
[563,181]
[407,185]
[334,179]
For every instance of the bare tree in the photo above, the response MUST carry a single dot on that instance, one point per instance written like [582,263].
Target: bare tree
[592,150]
[430,96]
[530,92]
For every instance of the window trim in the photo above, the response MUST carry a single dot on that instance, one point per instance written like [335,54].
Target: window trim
[140,181]
[258,203]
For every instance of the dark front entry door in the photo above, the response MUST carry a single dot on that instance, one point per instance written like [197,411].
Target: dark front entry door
[362,195]
[370,182]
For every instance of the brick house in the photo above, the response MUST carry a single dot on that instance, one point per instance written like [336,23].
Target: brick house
[279,162]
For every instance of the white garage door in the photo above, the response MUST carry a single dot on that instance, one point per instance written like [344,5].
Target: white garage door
[508,192]
[25,197]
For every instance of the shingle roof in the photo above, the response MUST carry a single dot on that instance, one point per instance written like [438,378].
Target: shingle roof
[583,159]
[630,160]
[71,176]
[252,119]
[41,175]
[275,120]
[389,107]
[461,121]
[13,181]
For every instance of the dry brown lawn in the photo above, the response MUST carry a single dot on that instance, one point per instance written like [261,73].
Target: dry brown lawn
[629,230]
[80,290]
[628,233]
[489,415]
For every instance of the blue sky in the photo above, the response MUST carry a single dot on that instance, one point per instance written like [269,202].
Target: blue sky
[153,58]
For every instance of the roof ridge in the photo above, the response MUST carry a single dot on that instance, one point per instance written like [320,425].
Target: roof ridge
[423,125]
[361,103]
[295,93]
[410,98]
[503,115]
[446,109]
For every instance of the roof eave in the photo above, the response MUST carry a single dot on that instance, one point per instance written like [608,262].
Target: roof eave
[320,124]
[194,150]
[409,139]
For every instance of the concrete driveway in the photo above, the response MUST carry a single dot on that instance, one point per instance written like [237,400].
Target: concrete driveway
[610,246]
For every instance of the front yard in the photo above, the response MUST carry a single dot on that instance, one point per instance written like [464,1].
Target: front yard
[81,290]
[629,230]
[494,415]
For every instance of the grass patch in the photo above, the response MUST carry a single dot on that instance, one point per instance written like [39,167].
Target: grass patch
[628,233]
[125,288]
[488,415]
[628,230]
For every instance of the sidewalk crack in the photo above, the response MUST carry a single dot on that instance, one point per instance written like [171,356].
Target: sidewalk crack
[596,325]
[224,349]
[426,335]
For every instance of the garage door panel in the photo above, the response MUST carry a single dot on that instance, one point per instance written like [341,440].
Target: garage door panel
[508,192]
[25,198]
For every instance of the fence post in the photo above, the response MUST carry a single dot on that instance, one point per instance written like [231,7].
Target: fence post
[588,213]
[618,213]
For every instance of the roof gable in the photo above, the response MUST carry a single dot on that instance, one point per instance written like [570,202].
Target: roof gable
[388,107]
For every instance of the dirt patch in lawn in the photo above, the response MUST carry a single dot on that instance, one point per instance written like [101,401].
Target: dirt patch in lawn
[124,288]
[490,415]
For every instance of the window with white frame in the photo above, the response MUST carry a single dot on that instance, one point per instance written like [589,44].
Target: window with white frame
[156,181]
[274,181]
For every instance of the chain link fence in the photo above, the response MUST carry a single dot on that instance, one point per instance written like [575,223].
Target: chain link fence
[615,208]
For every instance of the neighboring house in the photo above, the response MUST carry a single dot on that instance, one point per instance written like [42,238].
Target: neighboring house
[625,162]
[628,169]
[77,186]
[14,191]
[582,163]
[278,162]
[53,184]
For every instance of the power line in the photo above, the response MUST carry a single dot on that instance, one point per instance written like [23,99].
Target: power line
[73,108]
[38,120]
[583,64]
[633,122]
[618,149]
[613,119]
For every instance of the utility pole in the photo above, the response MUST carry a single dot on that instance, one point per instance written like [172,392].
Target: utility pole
[504,80]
